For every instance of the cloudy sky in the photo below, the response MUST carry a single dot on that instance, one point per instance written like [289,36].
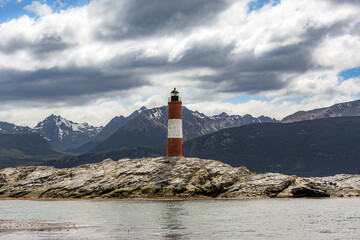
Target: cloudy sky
[93,60]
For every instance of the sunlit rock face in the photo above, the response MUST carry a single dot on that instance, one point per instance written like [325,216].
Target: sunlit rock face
[165,178]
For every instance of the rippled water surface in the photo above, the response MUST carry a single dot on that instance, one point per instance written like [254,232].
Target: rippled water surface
[205,219]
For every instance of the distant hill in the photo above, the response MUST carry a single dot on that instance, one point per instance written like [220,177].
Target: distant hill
[309,148]
[338,110]
[24,148]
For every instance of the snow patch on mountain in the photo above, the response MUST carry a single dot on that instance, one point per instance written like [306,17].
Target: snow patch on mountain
[65,134]
[198,115]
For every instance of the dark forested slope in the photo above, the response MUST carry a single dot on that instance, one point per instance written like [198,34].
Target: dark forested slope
[309,148]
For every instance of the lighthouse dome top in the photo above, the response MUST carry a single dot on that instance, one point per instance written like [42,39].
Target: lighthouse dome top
[174,92]
[174,96]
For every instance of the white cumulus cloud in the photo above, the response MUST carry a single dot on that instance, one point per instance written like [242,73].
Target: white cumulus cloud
[110,57]
[38,8]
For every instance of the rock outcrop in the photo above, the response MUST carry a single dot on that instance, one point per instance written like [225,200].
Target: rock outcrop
[165,178]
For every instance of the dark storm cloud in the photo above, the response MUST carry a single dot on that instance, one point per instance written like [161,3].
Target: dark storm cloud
[67,85]
[356,29]
[253,74]
[354,2]
[248,73]
[245,73]
[44,45]
[77,85]
[207,54]
[133,60]
[138,18]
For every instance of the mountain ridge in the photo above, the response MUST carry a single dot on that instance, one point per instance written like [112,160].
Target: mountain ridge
[10,127]
[70,136]
[345,109]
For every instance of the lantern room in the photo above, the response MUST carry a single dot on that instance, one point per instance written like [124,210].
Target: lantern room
[175,96]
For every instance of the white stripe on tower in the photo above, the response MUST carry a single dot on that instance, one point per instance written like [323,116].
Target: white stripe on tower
[175,128]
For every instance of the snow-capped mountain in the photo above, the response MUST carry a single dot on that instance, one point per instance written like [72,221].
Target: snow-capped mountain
[65,134]
[10,127]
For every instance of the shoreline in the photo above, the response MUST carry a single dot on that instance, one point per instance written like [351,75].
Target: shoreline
[168,199]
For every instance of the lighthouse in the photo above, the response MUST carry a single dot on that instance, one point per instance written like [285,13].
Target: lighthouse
[175,136]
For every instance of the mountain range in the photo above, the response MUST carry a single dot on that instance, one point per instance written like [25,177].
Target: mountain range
[149,129]
[70,136]
[306,148]
[66,135]
[320,147]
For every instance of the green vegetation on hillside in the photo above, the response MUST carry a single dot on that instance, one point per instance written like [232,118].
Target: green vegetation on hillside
[18,149]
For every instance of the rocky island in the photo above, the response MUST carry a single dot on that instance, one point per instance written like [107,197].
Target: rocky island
[165,178]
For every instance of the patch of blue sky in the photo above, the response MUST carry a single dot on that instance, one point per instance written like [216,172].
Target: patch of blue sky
[295,100]
[244,99]
[258,4]
[12,9]
[349,73]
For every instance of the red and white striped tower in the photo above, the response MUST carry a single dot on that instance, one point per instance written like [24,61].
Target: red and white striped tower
[175,135]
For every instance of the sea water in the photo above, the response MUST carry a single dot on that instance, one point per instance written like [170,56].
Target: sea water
[198,219]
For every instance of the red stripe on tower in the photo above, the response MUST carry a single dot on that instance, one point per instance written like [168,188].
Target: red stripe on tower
[175,136]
